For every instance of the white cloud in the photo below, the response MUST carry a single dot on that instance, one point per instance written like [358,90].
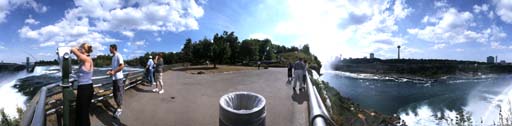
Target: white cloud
[6,6]
[504,10]
[125,50]
[158,39]
[428,19]
[441,4]
[50,43]
[90,19]
[30,20]
[482,8]
[491,15]
[67,32]
[439,46]
[459,50]
[454,27]
[497,45]
[172,16]
[139,43]
[2,47]
[45,54]
[352,28]
[128,34]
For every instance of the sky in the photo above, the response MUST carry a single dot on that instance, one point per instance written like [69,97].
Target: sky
[425,29]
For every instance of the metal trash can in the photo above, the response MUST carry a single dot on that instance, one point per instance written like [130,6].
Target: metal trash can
[242,109]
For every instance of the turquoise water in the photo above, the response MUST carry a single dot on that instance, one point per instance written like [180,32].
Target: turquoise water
[424,102]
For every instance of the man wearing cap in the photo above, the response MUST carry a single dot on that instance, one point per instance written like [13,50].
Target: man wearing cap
[150,67]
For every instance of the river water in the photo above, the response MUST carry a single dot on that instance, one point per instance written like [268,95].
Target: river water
[13,97]
[427,103]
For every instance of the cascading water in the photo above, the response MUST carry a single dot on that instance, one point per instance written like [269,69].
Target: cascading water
[440,102]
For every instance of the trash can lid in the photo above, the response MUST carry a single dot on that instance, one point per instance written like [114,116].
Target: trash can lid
[242,102]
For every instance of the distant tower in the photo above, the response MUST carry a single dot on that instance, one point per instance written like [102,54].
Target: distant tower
[496,59]
[372,56]
[398,51]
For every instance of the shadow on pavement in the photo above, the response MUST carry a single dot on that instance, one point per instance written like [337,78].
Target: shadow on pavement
[299,97]
[104,113]
[138,89]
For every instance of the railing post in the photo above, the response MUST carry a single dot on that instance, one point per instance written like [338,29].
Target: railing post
[67,90]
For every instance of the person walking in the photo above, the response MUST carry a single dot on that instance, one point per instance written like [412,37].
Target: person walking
[117,78]
[159,69]
[298,69]
[151,71]
[85,89]
[304,76]
[290,70]
[259,64]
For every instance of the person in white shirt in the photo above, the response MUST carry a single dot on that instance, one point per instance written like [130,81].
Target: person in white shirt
[151,71]
[117,78]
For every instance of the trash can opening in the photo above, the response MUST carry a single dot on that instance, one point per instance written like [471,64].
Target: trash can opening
[242,102]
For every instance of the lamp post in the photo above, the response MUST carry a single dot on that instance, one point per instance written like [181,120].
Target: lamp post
[398,51]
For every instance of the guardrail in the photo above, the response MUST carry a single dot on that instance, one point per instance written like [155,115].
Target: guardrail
[318,113]
[35,113]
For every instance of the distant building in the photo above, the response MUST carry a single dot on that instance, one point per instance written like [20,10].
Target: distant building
[503,62]
[372,56]
[490,59]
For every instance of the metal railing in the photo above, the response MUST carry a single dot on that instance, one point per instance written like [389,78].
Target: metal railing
[35,114]
[318,115]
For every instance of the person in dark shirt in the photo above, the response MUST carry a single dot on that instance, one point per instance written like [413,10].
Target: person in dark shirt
[159,62]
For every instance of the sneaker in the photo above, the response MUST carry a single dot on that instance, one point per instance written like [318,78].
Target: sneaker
[118,113]
[161,91]
[155,90]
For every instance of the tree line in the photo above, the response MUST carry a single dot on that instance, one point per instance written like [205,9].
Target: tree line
[223,48]
[226,48]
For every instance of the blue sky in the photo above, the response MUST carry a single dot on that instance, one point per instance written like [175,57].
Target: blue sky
[457,29]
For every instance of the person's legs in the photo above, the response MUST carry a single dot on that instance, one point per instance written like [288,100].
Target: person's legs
[304,79]
[300,78]
[160,82]
[115,91]
[83,102]
[152,77]
[118,95]
[295,79]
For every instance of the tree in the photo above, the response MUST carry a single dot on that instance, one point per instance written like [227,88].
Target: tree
[234,46]
[305,49]
[293,49]
[249,49]
[187,50]
[265,51]
[221,51]
[202,51]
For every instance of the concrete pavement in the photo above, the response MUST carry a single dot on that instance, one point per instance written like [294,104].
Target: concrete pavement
[193,100]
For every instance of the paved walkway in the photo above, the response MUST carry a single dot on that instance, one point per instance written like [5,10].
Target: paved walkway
[193,100]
